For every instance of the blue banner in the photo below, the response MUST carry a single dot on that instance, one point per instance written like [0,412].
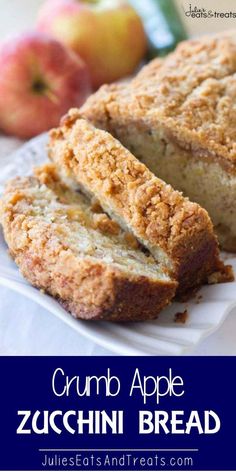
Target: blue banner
[117,413]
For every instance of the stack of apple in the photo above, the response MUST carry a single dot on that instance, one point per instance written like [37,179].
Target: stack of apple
[77,46]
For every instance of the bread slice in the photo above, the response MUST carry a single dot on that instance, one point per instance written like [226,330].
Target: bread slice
[178,116]
[177,232]
[69,248]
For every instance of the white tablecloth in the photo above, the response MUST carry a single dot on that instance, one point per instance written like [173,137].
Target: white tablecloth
[27,329]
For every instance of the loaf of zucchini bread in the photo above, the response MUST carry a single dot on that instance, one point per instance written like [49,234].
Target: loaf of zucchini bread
[178,233]
[178,116]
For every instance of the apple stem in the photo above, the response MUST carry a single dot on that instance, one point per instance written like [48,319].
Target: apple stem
[51,95]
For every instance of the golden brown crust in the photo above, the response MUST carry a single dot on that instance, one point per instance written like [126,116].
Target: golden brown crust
[36,219]
[192,94]
[161,218]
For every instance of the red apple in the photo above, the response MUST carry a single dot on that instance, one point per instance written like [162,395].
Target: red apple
[40,80]
[107,34]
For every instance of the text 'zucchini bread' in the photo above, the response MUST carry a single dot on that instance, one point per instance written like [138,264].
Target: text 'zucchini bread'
[178,116]
[72,250]
[177,232]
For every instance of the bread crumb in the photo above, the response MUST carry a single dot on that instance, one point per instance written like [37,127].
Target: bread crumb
[181,317]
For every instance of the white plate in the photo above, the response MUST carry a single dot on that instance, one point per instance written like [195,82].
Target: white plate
[163,336]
